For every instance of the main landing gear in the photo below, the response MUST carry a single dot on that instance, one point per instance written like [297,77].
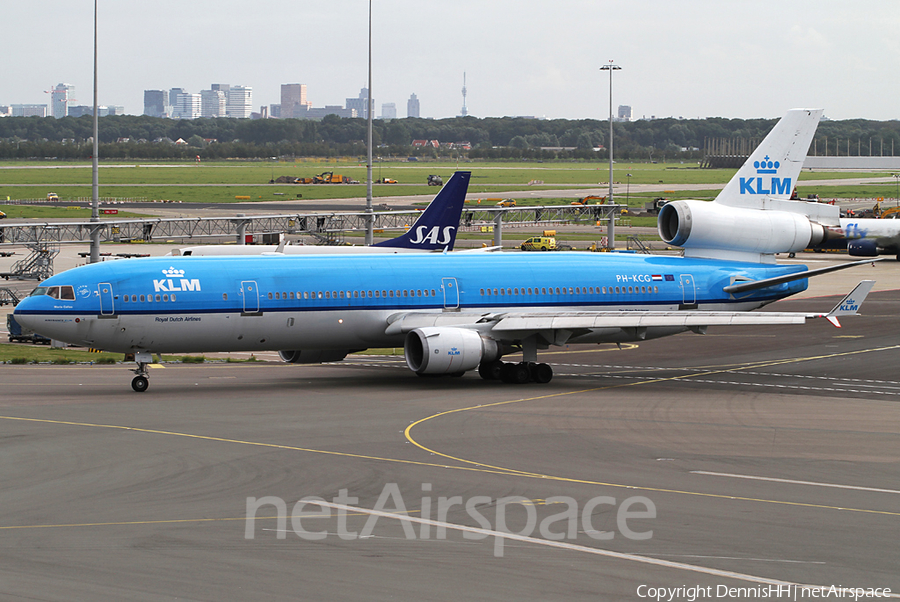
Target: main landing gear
[141,382]
[528,370]
[520,373]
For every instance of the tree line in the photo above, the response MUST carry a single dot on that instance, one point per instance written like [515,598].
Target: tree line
[517,138]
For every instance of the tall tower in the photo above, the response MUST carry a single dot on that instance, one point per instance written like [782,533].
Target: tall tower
[60,99]
[464,111]
[412,106]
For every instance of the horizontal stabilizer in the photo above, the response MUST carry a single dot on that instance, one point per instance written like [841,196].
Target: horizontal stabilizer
[753,285]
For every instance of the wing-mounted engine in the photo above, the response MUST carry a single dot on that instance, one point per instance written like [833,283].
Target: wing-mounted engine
[313,356]
[724,232]
[872,247]
[441,350]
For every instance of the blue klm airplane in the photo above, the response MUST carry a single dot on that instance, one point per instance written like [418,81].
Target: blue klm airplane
[457,312]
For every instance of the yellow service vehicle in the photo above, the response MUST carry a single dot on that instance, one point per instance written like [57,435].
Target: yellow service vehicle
[539,243]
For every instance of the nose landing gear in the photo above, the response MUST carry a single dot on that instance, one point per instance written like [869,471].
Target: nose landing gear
[141,382]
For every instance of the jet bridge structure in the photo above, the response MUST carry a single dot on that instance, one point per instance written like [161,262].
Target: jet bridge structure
[324,226]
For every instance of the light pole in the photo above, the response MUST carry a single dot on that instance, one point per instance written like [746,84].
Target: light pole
[627,188]
[610,229]
[370,218]
[897,198]
[95,165]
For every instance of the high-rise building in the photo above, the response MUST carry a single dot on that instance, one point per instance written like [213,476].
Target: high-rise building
[213,103]
[102,111]
[293,95]
[625,113]
[361,104]
[59,100]
[388,110]
[186,105]
[240,102]
[156,103]
[412,106]
[173,100]
[29,110]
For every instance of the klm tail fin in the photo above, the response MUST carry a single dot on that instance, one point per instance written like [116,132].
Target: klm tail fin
[436,227]
[774,167]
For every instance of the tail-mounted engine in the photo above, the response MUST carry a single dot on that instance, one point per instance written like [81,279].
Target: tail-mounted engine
[699,225]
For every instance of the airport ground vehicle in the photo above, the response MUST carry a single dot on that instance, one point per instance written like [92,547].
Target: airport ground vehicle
[2,215]
[20,334]
[539,243]
[386,181]
[329,177]
[507,203]
[52,196]
[655,205]
[435,181]
[587,200]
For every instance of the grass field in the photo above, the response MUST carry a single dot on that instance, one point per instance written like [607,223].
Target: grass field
[221,182]
[50,212]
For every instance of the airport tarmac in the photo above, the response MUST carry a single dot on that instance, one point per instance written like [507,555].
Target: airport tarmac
[745,458]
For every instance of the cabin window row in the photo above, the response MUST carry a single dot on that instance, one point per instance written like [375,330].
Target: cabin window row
[364,294]
[148,298]
[563,290]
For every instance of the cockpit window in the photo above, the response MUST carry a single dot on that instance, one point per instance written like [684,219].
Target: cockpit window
[66,293]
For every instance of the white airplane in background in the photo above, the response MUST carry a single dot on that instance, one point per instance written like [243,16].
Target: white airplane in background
[869,237]
[455,312]
[434,230]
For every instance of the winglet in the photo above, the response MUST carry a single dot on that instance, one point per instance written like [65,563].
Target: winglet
[850,304]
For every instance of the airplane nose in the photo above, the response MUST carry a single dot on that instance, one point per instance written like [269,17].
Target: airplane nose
[24,319]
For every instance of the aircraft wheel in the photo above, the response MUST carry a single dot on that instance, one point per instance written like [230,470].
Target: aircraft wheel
[521,373]
[140,383]
[490,370]
[515,373]
[541,373]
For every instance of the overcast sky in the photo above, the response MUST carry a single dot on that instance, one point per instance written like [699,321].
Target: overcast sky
[681,58]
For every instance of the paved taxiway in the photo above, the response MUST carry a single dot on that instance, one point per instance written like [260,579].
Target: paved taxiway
[767,453]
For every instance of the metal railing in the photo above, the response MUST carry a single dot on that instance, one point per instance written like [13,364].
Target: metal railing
[328,225]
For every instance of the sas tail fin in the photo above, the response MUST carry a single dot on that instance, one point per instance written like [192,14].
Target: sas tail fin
[436,227]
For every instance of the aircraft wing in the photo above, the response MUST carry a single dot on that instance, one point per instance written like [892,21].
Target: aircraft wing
[517,325]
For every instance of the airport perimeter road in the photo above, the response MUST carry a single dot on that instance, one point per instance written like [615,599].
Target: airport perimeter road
[723,460]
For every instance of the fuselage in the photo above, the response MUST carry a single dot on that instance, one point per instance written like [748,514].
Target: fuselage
[204,304]
[854,228]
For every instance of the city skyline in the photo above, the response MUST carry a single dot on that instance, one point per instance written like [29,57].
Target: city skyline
[694,59]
